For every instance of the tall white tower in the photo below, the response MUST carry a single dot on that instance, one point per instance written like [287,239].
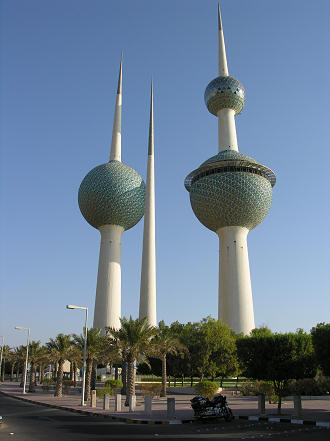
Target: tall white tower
[111,198]
[148,271]
[230,193]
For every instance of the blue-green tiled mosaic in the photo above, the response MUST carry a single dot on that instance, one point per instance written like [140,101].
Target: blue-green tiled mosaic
[229,199]
[112,194]
[224,93]
[229,155]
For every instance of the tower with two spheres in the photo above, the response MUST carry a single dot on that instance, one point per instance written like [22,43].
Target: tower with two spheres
[230,193]
[113,198]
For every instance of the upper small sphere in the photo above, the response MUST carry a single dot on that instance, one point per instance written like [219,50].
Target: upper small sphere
[112,194]
[224,93]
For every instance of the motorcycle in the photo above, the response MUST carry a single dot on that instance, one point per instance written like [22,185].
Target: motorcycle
[217,407]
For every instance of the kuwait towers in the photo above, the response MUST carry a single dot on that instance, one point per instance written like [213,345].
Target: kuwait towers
[111,198]
[230,194]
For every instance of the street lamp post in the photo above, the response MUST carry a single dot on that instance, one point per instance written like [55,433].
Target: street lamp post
[3,343]
[20,328]
[85,346]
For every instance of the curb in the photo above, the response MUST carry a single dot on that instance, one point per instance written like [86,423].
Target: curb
[284,420]
[325,424]
[96,414]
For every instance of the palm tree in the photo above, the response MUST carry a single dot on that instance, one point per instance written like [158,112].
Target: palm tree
[165,343]
[133,340]
[96,347]
[5,355]
[20,352]
[35,352]
[44,360]
[61,347]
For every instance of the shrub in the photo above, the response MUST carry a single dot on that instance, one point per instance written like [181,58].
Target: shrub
[247,388]
[103,390]
[259,388]
[323,384]
[152,389]
[206,388]
[67,385]
[48,383]
[319,385]
[113,383]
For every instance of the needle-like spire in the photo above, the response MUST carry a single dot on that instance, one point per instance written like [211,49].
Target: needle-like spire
[223,67]
[151,124]
[115,153]
[148,271]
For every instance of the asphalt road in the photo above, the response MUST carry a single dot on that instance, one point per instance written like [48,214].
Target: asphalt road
[30,422]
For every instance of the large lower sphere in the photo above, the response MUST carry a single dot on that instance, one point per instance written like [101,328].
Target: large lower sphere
[112,194]
[231,199]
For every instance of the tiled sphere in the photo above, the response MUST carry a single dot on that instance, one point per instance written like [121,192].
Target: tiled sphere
[230,198]
[112,194]
[224,93]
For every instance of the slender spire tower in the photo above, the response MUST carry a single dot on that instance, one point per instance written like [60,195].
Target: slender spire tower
[231,194]
[111,198]
[148,272]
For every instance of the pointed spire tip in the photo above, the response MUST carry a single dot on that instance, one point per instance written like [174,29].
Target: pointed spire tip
[119,88]
[219,17]
[151,122]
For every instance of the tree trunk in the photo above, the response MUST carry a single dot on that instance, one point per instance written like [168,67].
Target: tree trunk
[191,381]
[182,380]
[3,370]
[130,390]
[124,377]
[55,370]
[89,369]
[59,379]
[41,373]
[174,382]
[110,369]
[17,372]
[163,391]
[71,370]
[279,404]
[278,392]
[74,374]
[116,373]
[12,371]
[93,376]
[32,385]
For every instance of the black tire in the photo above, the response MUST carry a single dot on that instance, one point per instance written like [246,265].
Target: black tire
[228,415]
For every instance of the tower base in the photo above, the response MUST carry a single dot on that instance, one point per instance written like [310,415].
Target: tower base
[235,293]
[107,310]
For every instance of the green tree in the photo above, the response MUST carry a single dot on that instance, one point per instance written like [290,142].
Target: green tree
[133,341]
[35,353]
[165,343]
[277,358]
[61,348]
[185,364]
[218,355]
[321,343]
[263,331]
[97,346]
[6,351]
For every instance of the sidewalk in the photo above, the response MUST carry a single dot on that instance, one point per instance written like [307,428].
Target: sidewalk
[315,410]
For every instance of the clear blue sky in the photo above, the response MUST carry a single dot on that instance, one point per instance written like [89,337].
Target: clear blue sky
[60,64]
